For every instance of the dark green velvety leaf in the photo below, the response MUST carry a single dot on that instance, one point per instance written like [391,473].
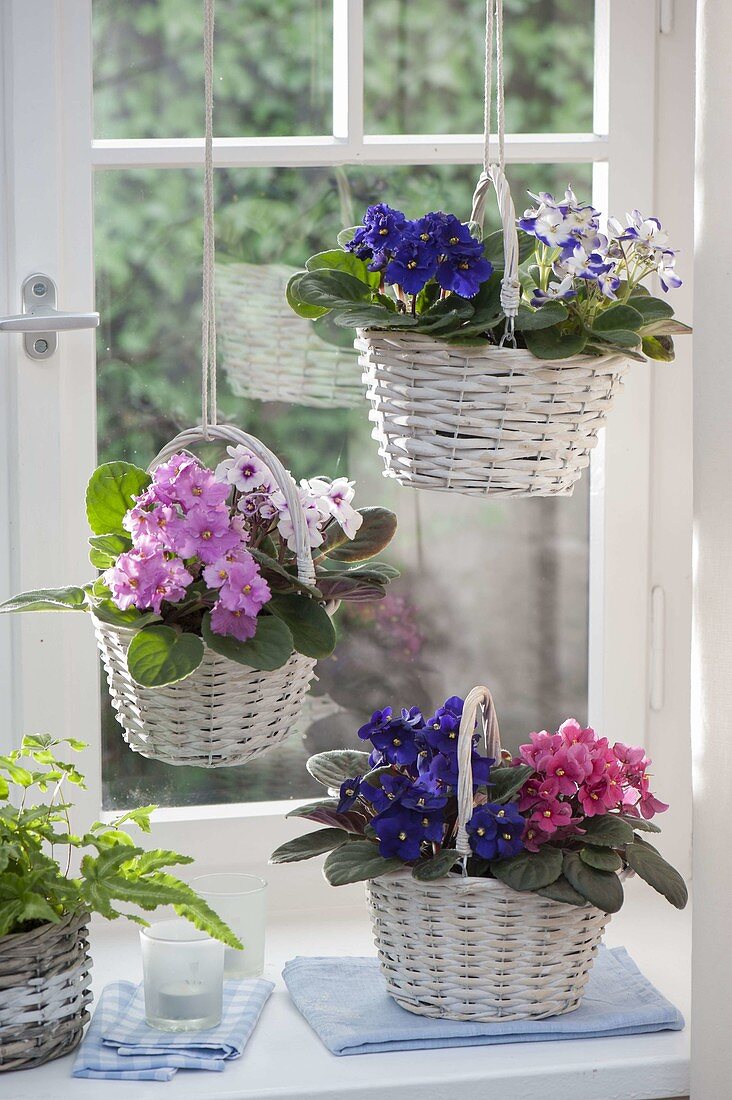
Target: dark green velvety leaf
[313,633]
[330,288]
[604,859]
[336,259]
[377,530]
[270,564]
[295,302]
[108,612]
[641,823]
[620,338]
[312,844]
[653,869]
[493,247]
[428,870]
[601,888]
[354,589]
[650,308]
[529,870]
[549,343]
[47,599]
[553,313]
[372,317]
[618,316]
[159,655]
[270,648]
[325,812]
[660,348]
[607,831]
[562,891]
[357,861]
[505,782]
[110,493]
[333,767]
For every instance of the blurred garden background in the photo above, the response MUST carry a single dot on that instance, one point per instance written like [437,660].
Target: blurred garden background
[491,591]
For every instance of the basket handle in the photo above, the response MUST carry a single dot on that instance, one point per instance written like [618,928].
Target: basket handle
[229,434]
[481,699]
[494,174]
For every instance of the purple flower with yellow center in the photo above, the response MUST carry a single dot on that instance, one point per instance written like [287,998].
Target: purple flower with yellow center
[413,264]
[245,589]
[495,831]
[379,720]
[390,791]
[442,770]
[401,832]
[463,272]
[348,794]
[379,235]
[196,486]
[398,742]
[206,533]
[233,623]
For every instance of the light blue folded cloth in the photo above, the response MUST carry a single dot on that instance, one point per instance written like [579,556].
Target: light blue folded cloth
[120,1046]
[346,1004]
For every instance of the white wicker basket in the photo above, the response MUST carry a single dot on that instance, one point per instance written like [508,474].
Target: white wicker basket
[485,419]
[472,948]
[223,714]
[272,354]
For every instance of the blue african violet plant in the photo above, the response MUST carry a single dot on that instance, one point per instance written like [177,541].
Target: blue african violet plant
[583,291]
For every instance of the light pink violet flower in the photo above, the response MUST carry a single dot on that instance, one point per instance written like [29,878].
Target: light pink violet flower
[235,624]
[196,486]
[217,574]
[244,589]
[568,765]
[207,533]
[542,744]
[163,477]
[334,499]
[144,580]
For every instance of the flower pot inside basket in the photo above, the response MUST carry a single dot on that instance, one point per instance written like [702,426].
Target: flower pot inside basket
[484,419]
[44,984]
[474,949]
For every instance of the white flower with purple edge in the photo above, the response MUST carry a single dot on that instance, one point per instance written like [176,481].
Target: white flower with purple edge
[244,470]
[334,500]
[554,292]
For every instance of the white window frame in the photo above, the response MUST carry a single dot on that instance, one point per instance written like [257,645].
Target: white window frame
[640,489]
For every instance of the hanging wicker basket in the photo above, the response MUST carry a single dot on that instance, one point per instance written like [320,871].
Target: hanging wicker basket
[465,948]
[223,714]
[44,991]
[486,420]
[272,354]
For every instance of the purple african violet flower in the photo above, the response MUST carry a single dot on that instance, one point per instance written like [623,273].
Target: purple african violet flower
[235,624]
[402,831]
[348,794]
[496,832]
[244,589]
[463,273]
[145,578]
[413,264]
[195,486]
[206,533]
[379,235]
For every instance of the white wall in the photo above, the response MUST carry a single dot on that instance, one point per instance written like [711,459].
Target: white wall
[712,629]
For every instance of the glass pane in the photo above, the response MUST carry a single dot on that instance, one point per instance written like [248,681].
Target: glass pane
[272,74]
[491,592]
[424,66]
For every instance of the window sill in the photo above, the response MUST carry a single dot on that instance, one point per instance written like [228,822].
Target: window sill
[286,1061]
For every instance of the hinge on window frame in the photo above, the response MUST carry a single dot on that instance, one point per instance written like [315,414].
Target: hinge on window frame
[666,16]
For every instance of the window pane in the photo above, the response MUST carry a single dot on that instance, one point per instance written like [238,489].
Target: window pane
[272,74]
[491,592]
[424,66]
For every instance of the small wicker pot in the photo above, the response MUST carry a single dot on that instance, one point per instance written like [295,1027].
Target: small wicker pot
[272,354]
[467,948]
[44,991]
[224,713]
[484,420]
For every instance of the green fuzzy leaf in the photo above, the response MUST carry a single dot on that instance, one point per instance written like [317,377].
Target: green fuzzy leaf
[607,831]
[356,589]
[651,309]
[334,767]
[493,247]
[329,289]
[619,338]
[110,494]
[505,782]
[295,302]
[604,859]
[660,348]
[670,327]
[325,812]
[159,655]
[47,599]
[377,530]
[549,343]
[105,549]
[336,259]
[528,319]
[310,625]
[272,565]
[312,844]
[618,316]
[602,889]
[640,823]
[357,861]
[529,870]
[371,317]
[346,235]
[270,648]
[107,612]
[330,333]
[653,869]
[562,891]
[439,866]
[444,313]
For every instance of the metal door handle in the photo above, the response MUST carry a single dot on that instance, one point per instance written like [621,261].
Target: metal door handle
[40,320]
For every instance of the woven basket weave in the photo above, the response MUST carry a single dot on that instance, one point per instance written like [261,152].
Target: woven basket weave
[44,991]
[224,713]
[472,948]
[272,354]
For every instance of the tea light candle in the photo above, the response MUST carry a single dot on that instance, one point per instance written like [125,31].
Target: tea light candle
[183,973]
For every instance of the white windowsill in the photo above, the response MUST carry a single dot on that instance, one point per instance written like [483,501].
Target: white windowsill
[285,1060]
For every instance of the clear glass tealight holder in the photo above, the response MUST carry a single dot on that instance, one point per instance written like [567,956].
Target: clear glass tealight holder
[183,973]
[241,901]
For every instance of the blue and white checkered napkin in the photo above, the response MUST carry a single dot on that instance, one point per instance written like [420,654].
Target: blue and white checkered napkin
[120,1046]
[346,1004]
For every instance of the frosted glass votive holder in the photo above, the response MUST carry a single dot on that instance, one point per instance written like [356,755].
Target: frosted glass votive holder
[241,901]
[183,974]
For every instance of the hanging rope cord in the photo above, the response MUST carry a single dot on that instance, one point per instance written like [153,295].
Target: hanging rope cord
[209,410]
[493,175]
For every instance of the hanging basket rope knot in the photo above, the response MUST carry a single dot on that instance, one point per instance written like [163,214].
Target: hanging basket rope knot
[465,948]
[486,420]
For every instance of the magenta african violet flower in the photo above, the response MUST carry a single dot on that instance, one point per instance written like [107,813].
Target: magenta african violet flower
[234,623]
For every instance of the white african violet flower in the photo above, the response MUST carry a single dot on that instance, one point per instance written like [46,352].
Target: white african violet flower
[334,499]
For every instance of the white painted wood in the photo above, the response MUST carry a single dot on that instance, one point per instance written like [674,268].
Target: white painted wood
[348,71]
[712,631]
